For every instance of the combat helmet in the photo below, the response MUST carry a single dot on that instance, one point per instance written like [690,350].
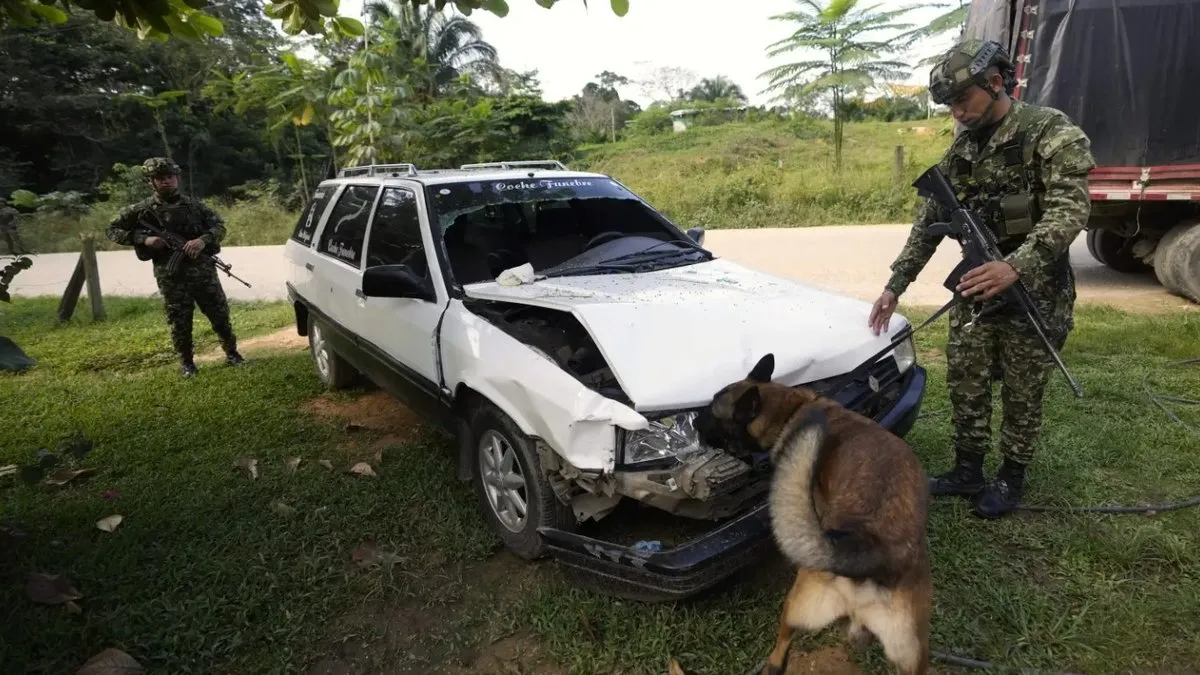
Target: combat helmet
[157,167]
[965,65]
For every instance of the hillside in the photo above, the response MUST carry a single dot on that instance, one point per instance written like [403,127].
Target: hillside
[734,175]
[772,173]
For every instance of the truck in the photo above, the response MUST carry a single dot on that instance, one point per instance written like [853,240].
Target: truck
[1126,72]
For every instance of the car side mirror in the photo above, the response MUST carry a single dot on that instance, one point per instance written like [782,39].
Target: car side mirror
[697,235]
[395,281]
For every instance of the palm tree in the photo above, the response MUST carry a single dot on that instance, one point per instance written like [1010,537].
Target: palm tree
[719,88]
[850,63]
[441,46]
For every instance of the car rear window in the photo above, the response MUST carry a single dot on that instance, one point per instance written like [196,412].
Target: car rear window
[310,216]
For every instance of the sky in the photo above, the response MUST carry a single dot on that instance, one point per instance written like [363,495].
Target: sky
[569,45]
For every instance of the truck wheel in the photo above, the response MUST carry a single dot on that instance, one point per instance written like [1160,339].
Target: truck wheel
[1181,261]
[333,371]
[512,490]
[1166,255]
[1114,251]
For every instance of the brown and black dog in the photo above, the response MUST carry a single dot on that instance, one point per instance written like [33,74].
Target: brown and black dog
[848,504]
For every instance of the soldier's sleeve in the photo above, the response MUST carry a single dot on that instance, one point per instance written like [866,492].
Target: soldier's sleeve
[212,223]
[919,247]
[1066,154]
[121,229]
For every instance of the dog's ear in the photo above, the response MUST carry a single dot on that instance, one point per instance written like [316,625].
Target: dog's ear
[763,369]
[747,406]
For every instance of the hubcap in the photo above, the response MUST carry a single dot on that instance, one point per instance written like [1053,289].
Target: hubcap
[502,480]
[320,353]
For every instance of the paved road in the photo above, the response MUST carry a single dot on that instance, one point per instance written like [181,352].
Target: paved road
[850,259]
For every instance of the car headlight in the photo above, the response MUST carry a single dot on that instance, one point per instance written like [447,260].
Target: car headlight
[905,354]
[670,436]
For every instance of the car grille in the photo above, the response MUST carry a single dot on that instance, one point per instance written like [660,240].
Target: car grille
[859,396]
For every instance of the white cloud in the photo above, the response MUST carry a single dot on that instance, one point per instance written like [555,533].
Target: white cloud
[569,45]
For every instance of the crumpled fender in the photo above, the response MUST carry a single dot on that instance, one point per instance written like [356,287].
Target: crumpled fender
[540,397]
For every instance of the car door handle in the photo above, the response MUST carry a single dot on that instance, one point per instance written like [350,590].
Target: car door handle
[359,293]
[308,266]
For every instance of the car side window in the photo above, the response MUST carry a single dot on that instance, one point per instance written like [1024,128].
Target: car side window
[310,217]
[346,230]
[396,232]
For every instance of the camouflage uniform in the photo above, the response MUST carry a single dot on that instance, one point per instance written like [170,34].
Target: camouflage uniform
[1028,183]
[195,283]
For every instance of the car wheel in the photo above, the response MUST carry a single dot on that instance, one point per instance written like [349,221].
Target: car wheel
[333,371]
[515,496]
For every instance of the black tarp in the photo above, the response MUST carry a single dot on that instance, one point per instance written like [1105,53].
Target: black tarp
[1127,71]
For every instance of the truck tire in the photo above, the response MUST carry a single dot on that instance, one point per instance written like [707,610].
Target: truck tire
[508,475]
[1182,262]
[1114,251]
[333,371]
[1168,258]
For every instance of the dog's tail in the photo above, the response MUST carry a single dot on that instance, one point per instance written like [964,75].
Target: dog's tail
[797,530]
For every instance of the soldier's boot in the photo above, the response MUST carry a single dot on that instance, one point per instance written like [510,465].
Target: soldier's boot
[1002,494]
[233,358]
[187,368]
[964,480]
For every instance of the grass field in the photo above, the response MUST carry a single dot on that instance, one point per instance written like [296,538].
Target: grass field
[213,571]
[764,174]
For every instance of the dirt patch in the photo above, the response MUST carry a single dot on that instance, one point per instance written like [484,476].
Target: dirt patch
[518,654]
[834,660]
[390,422]
[284,339]
[420,634]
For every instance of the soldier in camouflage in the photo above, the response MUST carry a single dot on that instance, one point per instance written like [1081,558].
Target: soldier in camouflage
[195,284]
[1024,170]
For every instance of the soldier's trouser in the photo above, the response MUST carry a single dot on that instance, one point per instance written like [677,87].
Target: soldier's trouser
[1009,348]
[199,286]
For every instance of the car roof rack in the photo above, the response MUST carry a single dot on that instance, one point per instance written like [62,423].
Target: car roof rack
[374,169]
[544,163]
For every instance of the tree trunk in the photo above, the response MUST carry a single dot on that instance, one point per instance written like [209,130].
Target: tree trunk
[303,173]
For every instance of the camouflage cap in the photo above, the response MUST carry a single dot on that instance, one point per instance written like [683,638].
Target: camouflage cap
[964,65]
[156,167]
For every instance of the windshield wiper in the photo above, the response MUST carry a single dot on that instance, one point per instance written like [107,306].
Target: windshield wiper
[649,253]
[599,268]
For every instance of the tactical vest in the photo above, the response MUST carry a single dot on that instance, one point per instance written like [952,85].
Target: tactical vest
[1004,189]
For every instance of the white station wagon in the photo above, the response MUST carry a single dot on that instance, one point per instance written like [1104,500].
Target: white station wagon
[566,334]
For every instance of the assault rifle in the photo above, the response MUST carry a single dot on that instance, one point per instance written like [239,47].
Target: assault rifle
[175,244]
[979,247]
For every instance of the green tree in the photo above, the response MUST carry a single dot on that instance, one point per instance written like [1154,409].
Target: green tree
[850,61]
[718,88]
[184,18]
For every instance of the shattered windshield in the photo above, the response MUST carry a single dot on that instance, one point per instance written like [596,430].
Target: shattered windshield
[567,225]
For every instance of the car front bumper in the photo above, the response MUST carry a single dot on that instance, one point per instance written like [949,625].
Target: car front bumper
[704,561]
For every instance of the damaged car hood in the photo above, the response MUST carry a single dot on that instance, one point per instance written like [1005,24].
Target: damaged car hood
[674,337]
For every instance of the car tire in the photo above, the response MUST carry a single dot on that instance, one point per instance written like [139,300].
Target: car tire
[499,450]
[333,370]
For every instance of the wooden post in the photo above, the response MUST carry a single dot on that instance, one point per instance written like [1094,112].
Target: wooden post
[91,269]
[898,167]
[66,306]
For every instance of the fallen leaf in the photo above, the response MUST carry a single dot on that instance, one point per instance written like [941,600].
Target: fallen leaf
[111,662]
[673,667]
[50,589]
[250,466]
[326,463]
[64,476]
[364,555]
[72,608]
[282,509]
[292,463]
[379,457]
[110,523]
[362,469]
[9,470]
